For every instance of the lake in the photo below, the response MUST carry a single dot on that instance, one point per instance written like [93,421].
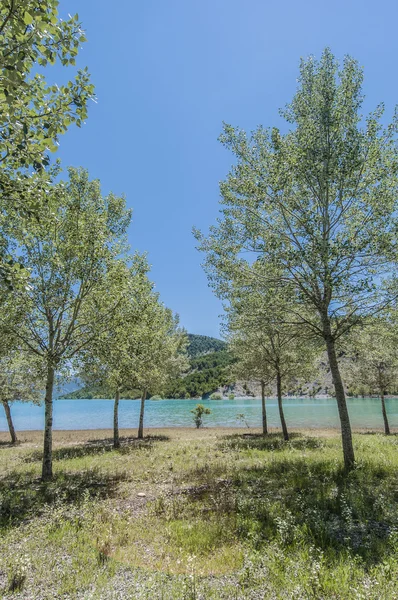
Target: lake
[299,412]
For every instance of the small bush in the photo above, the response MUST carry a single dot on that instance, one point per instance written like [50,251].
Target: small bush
[198,413]
[216,396]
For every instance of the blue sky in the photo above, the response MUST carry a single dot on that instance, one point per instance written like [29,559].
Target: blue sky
[167,73]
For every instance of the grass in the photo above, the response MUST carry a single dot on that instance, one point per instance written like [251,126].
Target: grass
[198,514]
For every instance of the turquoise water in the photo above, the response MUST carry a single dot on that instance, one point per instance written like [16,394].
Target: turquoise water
[299,412]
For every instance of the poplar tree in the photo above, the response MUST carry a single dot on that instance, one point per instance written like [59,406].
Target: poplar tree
[160,353]
[109,361]
[67,254]
[317,199]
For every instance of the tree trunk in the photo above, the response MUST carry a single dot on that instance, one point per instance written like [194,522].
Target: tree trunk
[47,467]
[141,423]
[11,429]
[264,413]
[116,441]
[385,418]
[346,435]
[281,414]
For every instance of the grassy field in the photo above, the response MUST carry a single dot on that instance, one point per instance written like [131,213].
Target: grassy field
[199,514]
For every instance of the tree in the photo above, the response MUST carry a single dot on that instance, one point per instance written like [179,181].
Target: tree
[251,365]
[67,253]
[266,348]
[34,113]
[319,203]
[159,351]
[198,413]
[372,359]
[110,360]
[21,380]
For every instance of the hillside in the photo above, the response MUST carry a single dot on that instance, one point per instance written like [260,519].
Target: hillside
[207,373]
[203,344]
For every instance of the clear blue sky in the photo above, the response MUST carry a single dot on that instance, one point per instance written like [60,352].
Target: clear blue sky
[167,73]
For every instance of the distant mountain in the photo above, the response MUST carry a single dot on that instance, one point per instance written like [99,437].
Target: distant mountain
[62,390]
[203,344]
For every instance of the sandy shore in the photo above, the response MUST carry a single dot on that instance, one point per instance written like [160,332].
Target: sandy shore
[81,436]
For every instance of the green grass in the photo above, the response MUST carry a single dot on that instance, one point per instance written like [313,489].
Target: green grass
[201,515]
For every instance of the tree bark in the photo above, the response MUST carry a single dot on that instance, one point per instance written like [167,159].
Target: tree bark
[281,413]
[116,440]
[141,423]
[346,435]
[385,418]
[11,429]
[47,467]
[264,413]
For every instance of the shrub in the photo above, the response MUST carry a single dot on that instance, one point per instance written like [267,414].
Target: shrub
[198,413]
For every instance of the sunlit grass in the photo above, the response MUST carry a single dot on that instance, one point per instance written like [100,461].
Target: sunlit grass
[201,515]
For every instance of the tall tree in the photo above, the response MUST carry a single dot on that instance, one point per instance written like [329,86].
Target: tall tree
[67,253]
[319,201]
[160,353]
[110,361]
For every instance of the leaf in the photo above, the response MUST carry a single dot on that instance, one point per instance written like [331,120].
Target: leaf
[28,19]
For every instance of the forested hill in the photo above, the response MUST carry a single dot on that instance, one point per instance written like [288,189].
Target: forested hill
[208,373]
[209,361]
[203,344]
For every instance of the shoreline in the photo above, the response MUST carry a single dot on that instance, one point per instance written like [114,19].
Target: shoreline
[79,436]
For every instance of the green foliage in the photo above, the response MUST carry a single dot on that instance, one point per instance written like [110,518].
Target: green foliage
[263,345]
[92,392]
[21,377]
[206,374]
[198,413]
[33,113]
[203,344]
[371,353]
[216,396]
[67,254]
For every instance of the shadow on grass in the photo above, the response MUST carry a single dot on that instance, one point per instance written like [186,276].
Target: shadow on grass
[9,444]
[24,495]
[95,447]
[308,501]
[271,441]
[304,500]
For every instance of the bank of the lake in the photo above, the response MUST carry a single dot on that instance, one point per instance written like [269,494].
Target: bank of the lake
[300,413]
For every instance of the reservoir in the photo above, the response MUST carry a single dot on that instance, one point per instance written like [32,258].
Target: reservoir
[299,413]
